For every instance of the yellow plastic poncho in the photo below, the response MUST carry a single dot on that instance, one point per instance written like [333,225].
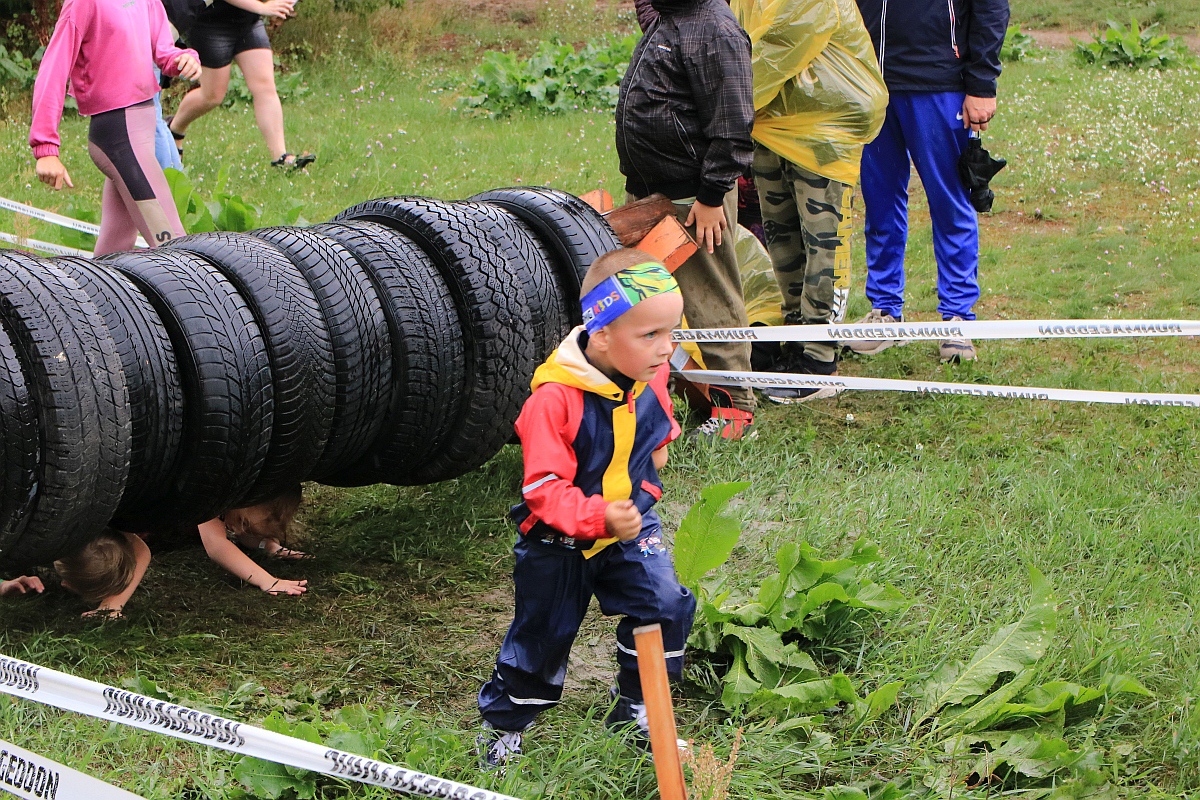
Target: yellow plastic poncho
[818,94]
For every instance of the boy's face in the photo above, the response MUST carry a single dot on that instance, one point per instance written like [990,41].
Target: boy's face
[638,343]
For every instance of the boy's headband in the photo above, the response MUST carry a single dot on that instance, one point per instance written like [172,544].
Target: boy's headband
[618,293]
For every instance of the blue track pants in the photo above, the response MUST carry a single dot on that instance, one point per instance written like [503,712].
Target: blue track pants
[554,586]
[928,128]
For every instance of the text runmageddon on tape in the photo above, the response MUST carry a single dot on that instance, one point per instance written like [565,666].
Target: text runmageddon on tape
[26,774]
[789,380]
[975,329]
[58,689]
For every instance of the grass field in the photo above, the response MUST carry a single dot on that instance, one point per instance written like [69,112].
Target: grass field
[1095,217]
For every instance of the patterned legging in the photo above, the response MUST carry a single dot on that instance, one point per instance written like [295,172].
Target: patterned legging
[136,197]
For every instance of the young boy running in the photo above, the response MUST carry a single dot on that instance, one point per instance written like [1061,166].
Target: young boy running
[594,434]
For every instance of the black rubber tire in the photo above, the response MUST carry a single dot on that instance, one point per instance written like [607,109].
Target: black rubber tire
[531,261]
[79,395]
[426,352]
[494,313]
[359,338]
[151,375]
[20,449]
[228,394]
[574,231]
[302,365]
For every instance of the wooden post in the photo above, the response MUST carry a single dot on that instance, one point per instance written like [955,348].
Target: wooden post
[656,693]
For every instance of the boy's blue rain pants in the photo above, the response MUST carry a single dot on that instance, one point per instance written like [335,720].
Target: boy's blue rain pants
[928,127]
[554,586]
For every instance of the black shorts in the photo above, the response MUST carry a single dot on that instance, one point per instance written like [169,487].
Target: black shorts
[218,42]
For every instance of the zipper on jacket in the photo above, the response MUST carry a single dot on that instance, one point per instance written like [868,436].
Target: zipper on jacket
[625,118]
[682,133]
[882,36]
[953,32]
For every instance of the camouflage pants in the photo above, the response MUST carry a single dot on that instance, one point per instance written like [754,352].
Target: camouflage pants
[807,221]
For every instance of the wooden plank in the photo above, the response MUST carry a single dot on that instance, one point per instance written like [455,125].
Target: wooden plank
[656,693]
[669,242]
[632,221]
[598,199]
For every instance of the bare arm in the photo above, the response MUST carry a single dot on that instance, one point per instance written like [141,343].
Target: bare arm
[229,556]
[116,603]
[660,457]
[271,8]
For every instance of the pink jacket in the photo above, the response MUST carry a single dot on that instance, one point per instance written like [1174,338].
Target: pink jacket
[107,49]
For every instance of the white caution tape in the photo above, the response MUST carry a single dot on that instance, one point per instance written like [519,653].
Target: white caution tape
[976,329]
[56,219]
[45,247]
[788,380]
[35,777]
[58,689]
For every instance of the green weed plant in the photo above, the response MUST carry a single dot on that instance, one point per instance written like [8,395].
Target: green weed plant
[555,78]
[226,211]
[808,600]
[1133,47]
[1017,45]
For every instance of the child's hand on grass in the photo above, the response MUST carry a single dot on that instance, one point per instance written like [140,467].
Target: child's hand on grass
[623,520]
[51,172]
[276,586]
[189,67]
[22,585]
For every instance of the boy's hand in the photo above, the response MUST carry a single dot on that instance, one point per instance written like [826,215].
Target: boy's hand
[51,172]
[188,67]
[22,585]
[709,222]
[623,520]
[977,112]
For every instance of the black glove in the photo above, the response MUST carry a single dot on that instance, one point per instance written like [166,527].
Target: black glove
[976,168]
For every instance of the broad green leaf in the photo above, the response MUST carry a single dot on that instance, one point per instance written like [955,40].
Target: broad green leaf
[767,657]
[878,597]
[706,538]
[818,596]
[272,781]
[876,703]
[739,686]
[1010,649]
[1032,755]
[987,712]
[806,697]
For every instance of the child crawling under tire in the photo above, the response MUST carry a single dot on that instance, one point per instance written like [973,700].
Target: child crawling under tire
[107,571]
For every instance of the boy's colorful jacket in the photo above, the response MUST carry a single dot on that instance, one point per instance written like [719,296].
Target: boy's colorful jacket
[587,442]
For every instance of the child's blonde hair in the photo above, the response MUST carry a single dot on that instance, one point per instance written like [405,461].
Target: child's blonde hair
[103,568]
[271,518]
[611,263]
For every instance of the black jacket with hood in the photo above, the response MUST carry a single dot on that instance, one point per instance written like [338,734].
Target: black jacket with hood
[938,45]
[686,106]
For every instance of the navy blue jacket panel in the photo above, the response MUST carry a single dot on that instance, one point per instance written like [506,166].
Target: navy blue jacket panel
[938,45]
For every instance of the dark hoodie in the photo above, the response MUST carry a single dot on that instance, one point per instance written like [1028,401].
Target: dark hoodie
[686,106]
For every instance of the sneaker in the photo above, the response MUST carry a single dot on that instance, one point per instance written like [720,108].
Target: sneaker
[628,717]
[726,424]
[870,347]
[801,364]
[496,748]
[952,351]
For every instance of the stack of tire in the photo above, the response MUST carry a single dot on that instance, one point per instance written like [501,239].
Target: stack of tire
[394,344]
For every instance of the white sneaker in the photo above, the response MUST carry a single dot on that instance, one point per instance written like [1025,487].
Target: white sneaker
[497,748]
[952,351]
[869,347]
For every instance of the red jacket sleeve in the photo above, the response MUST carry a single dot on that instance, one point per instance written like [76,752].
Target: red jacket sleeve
[661,389]
[547,428]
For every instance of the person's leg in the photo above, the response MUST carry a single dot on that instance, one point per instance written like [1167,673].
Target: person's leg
[117,229]
[121,143]
[712,298]
[937,140]
[214,82]
[885,173]
[552,590]
[637,581]
[258,66]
